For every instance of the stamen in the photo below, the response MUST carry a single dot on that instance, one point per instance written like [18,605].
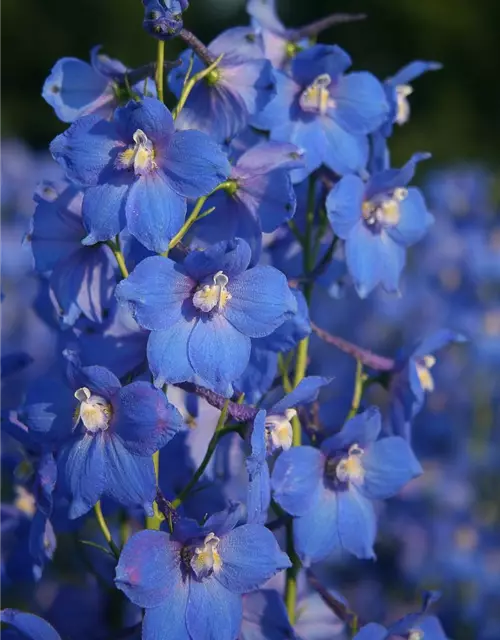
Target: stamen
[213,296]
[424,375]
[279,430]
[94,411]
[140,156]
[385,210]
[205,560]
[25,501]
[416,634]
[350,468]
[316,97]
[402,104]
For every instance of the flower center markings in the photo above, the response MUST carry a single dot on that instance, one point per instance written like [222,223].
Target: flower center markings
[140,156]
[206,560]
[279,431]
[316,97]
[94,411]
[213,296]
[386,210]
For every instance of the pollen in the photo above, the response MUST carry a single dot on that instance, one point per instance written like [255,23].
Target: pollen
[140,157]
[351,468]
[213,296]
[402,104]
[316,97]
[423,372]
[94,411]
[279,431]
[206,559]
[25,501]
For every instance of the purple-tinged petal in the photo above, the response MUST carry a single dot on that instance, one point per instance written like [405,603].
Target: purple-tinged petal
[104,209]
[413,70]
[261,301]
[265,616]
[155,291]
[155,212]
[99,380]
[213,612]
[297,479]
[415,220]
[391,179]
[130,479]
[268,156]
[258,491]
[321,58]
[194,164]
[278,109]
[362,429]
[242,42]
[144,419]
[250,555]
[218,352]
[371,631]
[388,464]
[304,393]
[357,526]
[360,103]
[315,532]
[168,353]
[86,149]
[345,152]
[82,472]
[437,341]
[106,66]
[253,82]
[149,569]
[30,626]
[168,619]
[344,205]
[149,115]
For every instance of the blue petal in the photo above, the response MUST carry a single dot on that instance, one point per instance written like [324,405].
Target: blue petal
[253,83]
[437,341]
[86,149]
[392,178]
[250,555]
[344,152]
[106,66]
[389,464]
[266,15]
[265,616]
[104,209]
[265,157]
[243,41]
[150,115]
[259,374]
[155,292]
[261,301]
[344,205]
[258,437]
[415,219]
[293,330]
[230,257]
[222,522]
[297,479]
[32,627]
[372,631]
[305,392]
[360,103]
[357,526]
[413,70]
[144,419]
[149,569]
[258,492]
[130,479]
[217,351]
[194,164]
[99,380]
[82,472]
[74,89]
[155,212]
[363,430]
[48,412]
[213,612]
[168,353]
[308,64]
[168,620]
[272,115]
[315,533]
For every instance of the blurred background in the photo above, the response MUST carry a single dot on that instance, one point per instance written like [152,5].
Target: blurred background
[444,532]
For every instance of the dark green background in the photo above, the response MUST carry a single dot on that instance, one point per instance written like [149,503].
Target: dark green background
[456,112]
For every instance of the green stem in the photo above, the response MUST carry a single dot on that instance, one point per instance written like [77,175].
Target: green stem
[117,252]
[160,72]
[358,390]
[218,434]
[189,85]
[105,529]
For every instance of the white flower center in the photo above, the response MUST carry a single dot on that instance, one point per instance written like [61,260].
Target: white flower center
[140,156]
[402,104]
[279,430]
[94,411]
[206,559]
[350,468]
[416,634]
[316,97]
[385,211]
[424,375]
[212,296]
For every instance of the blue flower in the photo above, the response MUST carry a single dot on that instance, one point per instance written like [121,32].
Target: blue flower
[82,279]
[163,18]
[139,171]
[378,220]
[27,626]
[325,113]
[75,88]
[272,431]
[331,490]
[191,582]
[239,88]
[260,199]
[104,435]
[412,379]
[204,312]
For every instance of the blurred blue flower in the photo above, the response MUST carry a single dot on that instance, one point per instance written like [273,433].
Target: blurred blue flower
[26,626]
[163,18]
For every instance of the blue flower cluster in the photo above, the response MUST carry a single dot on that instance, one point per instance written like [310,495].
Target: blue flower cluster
[196,266]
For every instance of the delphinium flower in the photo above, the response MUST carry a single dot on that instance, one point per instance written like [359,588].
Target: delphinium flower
[325,112]
[331,489]
[261,196]
[203,312]
[163,18]
[75,88]
[191,581]
[81,278]
[378,219]
[104,435]
[238,88]
[272,432]
[26,626]
[412,379]
[138,171]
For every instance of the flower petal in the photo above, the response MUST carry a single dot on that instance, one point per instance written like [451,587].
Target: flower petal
[344,152]
[305,392]
[99,380]
[413,70]
[261,301]
[344,205]
[360,103]
[213,612]
[168,353]
[104,209]
[315,532]
[150,115]
[415,220]
[168,619]
[148,570]
[30,626]
[231,257]
[362,429]
[297,479]
[357,526]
